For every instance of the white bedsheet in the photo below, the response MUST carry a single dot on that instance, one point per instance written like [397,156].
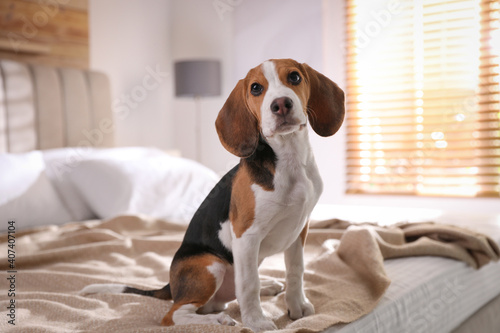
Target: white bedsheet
[429,294]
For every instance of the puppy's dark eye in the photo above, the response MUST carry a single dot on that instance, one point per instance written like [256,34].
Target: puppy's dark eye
[256,89]
[294,78]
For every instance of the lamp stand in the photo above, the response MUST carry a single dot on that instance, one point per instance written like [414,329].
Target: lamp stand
[197,128]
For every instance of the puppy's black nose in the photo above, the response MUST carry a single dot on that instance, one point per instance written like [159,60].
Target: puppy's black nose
[281,106]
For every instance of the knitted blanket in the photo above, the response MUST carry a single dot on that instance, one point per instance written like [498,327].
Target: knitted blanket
[344,278]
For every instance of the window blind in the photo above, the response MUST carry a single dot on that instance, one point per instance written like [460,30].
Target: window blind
[423,97]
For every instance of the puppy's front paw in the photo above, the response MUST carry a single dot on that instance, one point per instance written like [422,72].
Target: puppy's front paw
[298,309]
[261,324]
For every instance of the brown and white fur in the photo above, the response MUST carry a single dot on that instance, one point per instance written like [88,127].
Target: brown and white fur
[260,207]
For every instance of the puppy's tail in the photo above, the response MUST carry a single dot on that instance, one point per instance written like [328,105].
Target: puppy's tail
[163,293]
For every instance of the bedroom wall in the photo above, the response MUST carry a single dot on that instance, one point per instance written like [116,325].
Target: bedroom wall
[200,31]
[266,29]
[130,41]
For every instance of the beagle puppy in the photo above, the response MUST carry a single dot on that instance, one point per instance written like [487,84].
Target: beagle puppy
[260,207]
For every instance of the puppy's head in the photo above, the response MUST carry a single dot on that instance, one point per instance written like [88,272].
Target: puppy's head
[278,97]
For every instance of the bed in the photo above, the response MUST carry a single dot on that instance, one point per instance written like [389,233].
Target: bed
[83,211]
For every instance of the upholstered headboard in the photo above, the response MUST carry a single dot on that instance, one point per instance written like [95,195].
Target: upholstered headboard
[46,107]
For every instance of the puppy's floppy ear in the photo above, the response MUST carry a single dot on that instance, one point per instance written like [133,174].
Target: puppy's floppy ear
[237,127]
[325,108]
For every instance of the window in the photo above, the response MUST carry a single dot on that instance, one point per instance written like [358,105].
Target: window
[423,97]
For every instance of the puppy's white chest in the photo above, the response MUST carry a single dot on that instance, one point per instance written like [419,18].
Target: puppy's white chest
[282,214]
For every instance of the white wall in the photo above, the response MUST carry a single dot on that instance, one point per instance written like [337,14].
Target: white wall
[200,31]
[128,40]
[267,29]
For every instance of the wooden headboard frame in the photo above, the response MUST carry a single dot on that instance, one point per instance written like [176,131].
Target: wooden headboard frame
[47,107]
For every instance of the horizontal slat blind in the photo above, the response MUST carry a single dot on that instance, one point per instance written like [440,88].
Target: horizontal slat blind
[423,97]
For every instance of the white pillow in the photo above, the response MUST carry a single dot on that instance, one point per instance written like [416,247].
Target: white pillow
[162,186]
[61,162]
[26,194]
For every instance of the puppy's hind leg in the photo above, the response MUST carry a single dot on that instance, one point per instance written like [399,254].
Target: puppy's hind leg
[194,281]
[185,314]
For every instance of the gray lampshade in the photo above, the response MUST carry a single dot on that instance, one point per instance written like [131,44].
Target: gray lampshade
[197,78]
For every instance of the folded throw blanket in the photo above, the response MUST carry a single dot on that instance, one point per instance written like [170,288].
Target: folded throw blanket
[427,238]
[344,279]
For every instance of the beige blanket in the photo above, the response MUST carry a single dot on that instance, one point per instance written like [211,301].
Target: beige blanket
[344,278]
